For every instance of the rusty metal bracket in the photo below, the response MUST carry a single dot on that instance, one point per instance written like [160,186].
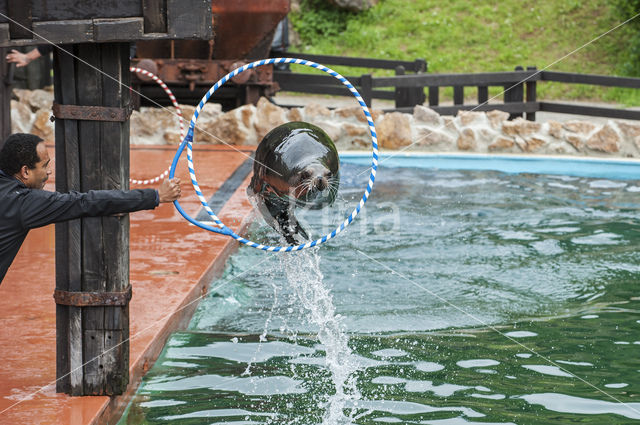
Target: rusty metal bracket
[91,113]
[92,299]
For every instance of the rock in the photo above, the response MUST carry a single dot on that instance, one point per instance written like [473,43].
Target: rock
[604,140]
[468,117]
[41,99]
[580,127]
[520,127]
[501,143]
[357,113]
[467,140]
[295,114]
[229,129]
[575,140]
[555,129]
[314,111]
[630,132]
[333,130]
[519,141]
[268,116]
[435,140]
[496,118]
[422,114]
[42,125]
[533,144]
[172,138]
[356,130]
[187,113]
[35,99]
[394,130]
[21,117]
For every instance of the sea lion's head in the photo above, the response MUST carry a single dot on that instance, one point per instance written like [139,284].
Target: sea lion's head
[298,162]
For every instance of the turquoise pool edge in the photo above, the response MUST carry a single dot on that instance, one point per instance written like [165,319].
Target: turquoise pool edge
[610,168]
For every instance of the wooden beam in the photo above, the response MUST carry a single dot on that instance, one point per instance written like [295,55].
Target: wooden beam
[69,351]
[92,253]
[20,25]
[116,29]
[183,23]
[5,96]
[73,31]
[155,15]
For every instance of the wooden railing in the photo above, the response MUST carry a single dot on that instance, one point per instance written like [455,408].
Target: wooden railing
[518,97]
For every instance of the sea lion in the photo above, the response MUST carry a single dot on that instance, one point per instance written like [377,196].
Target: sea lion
[296,165]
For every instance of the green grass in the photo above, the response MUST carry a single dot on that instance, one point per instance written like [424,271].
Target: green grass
[461,36]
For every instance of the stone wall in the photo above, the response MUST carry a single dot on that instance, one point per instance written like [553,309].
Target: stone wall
[424,130]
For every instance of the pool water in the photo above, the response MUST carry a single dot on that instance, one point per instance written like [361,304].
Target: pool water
[458,297]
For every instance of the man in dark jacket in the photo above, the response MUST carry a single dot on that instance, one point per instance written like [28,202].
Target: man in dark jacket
[24,170]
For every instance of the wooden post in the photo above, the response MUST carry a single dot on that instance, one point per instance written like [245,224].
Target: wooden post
[6,75]
[458,95]
[92,254]
[434,95]
[366,89]
[408,96]
[514,94]
[531,94]
[483,94]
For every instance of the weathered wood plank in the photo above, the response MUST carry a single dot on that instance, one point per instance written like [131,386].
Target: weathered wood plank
[599,80]
[20,25]
[4,33]
[418,65]
[94,273]
[5,97]
[114,154]
[68,256]
[562,108]
[507,107]
[117,29]
[479,79]
[72,31]
[155,15]
[183,21]
[47,10]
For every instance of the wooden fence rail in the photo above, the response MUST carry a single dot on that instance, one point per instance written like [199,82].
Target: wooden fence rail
[519,87]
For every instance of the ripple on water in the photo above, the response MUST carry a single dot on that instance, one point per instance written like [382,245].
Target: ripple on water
[547,370]
[429,366]
[389,352]
[477,363]
[586,406]
[606,184]
[521,334]
[598,239]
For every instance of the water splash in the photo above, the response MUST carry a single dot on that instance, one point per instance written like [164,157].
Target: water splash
[302,270]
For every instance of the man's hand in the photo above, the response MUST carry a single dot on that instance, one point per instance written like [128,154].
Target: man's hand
[169,190]
[22,59]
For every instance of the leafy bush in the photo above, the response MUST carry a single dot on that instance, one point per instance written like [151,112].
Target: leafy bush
[318,19]
[627,9]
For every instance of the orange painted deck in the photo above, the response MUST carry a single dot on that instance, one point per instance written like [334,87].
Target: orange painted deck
[172,263]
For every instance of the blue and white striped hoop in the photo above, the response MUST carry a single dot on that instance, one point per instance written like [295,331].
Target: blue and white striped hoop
[222,228]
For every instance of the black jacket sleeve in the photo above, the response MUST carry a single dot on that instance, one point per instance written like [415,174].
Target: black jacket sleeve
[40,207]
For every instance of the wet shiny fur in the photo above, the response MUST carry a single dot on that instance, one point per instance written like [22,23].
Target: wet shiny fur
[296,165]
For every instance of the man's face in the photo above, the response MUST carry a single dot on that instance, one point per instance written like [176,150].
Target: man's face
[36,177]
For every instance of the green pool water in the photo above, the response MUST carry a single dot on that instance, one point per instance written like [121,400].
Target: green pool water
[458,297]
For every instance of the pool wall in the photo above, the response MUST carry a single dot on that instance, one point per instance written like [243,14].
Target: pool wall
[610,168]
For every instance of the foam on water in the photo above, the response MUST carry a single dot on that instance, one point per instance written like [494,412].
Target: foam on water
[303,274]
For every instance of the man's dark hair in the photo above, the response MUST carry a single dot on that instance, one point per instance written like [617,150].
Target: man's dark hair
[19,149]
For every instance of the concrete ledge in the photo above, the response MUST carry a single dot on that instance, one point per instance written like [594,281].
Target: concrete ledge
[172,265]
